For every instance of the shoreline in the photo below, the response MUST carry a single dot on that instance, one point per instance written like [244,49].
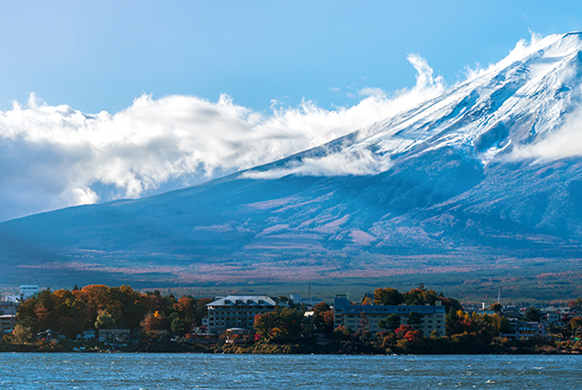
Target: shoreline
[276,349]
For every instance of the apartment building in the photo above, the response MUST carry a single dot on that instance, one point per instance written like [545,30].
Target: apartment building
[358,317]
[237,311]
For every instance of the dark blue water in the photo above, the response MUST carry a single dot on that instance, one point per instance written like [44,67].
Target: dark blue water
[194,371]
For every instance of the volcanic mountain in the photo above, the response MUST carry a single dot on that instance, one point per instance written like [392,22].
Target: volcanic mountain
[482,181]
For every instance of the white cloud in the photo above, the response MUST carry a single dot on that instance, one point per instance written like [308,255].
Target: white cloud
[356,163]
[522,50]
[56,156]
[565,141]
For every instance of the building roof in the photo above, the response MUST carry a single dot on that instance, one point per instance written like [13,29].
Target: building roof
[245,300]
[389,309]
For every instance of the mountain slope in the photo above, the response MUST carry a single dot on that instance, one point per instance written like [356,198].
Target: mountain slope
[463,183]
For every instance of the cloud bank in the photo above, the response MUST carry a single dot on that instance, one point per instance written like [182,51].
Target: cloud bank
[55,156]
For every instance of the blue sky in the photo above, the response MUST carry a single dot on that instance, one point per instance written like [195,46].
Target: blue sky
[122,99]
[101,55]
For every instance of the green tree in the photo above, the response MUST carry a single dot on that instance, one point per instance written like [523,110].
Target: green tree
[496,307]
[390,323]
[414,319]
[532,314]
[177,326]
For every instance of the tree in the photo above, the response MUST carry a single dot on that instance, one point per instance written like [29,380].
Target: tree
[22,334]
[575,323]
[323,318]
[177,326]
[387,296]
[279,325]
[496,307]
[155,324]
[414,319]
[532,314]
[390,323]
[104,320]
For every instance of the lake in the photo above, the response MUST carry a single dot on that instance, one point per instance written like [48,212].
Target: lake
[207,371]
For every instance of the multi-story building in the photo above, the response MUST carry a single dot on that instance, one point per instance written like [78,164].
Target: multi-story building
[524,330]
[237,311]
[26,291]
[7,316]
[360,317]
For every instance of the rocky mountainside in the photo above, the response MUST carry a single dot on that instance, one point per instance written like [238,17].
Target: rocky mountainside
[485,178]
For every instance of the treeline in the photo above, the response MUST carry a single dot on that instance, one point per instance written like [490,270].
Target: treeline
[155,319]
[102,307]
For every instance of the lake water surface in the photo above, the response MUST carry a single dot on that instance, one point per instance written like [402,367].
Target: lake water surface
[194,371]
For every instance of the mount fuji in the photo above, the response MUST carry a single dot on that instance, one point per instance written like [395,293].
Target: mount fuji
[479,184]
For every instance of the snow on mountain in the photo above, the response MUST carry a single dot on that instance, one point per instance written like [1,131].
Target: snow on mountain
[530,92]
[474,180]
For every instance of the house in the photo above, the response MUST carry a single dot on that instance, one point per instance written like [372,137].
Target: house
[50,336]
[88,335]
[366,317]
[237,311]
[114,335]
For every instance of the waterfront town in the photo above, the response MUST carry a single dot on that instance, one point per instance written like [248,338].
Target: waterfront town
[102,318]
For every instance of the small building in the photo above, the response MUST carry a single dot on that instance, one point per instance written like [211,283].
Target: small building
[366,317]
[237,311]
[88,335]
[114,335]
[50,336]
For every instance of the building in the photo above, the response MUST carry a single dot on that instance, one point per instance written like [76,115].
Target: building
[7,323]
[50,336]
[237,311]
[7,316]
[524,330]
[26,291]
[114,335]
[359,317]
[88,335]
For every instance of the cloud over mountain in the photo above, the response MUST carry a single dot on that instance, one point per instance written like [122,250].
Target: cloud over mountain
[56,156]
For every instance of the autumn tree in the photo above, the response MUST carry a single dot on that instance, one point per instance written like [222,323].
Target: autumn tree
[279,325]
[387,296]
[323,318]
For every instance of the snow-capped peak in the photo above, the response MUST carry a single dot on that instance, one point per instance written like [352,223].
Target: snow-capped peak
[497,111]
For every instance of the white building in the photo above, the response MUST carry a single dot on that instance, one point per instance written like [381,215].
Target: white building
[237,311]
[26,291]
